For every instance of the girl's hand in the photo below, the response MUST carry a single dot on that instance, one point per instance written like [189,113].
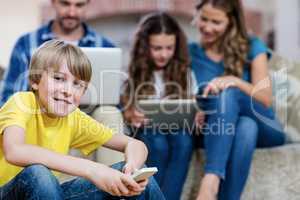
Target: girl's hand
[219,84]
[115,182]
[199,119]
[136,118]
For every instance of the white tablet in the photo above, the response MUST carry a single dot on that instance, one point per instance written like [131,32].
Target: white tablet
[169,112]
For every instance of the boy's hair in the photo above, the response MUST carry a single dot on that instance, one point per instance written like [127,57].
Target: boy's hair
[52,54]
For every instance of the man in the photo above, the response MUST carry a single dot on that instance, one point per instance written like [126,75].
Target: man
[68,25]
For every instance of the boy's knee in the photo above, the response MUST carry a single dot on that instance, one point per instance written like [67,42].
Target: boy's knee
[153,191]
[36,170]
[37,181]
[118,166]
[39,174]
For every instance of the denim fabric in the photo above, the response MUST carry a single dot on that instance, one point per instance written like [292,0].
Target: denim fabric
[169,151]
[16,75]
[235,124]
[37,182]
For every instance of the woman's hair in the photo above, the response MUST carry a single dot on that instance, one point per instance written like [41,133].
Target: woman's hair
[234,43]
[141,66]
[52,54]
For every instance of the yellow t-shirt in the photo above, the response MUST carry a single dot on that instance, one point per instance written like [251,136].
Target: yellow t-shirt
[76,130]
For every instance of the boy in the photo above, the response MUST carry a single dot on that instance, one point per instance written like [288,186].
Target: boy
[38,128]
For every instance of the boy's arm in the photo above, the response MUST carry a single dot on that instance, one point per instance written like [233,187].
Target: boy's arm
[17,152]
[135,151]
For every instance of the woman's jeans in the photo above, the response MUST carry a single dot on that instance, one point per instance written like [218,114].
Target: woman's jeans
[37,182]
[170,151]
[235,126]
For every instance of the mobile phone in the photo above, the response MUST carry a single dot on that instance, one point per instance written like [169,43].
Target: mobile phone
[144,173]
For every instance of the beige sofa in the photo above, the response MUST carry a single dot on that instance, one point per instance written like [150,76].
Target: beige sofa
[275,172]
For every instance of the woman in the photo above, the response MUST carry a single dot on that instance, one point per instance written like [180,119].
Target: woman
[159,69]
[235,91]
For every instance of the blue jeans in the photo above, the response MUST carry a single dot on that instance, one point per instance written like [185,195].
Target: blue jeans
[235,126]
[170,152]
[37,182]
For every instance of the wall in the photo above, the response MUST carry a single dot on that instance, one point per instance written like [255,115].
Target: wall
[120,29]
[288,28]
[16,18]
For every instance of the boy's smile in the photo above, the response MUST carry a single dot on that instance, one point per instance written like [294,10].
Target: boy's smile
[59,92]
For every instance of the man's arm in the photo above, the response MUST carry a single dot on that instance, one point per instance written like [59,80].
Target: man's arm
[15,78]
[107,43]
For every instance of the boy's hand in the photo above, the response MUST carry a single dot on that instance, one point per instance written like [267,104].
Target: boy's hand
[114,182]
[129,169]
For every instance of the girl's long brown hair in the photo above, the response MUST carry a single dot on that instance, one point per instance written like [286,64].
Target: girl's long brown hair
[141,66]
[235,42]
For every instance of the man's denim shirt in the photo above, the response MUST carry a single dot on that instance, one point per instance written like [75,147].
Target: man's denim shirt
[16,75]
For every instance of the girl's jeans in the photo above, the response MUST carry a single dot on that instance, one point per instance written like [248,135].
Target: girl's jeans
[170,151]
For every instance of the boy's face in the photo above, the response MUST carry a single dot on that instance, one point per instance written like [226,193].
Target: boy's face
[59,92]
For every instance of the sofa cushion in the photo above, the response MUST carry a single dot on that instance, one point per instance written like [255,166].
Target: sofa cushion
[274,174]
[286,95]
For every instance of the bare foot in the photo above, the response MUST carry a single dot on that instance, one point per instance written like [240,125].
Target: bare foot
[209,187]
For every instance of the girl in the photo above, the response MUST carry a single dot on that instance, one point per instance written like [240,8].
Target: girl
[159,68]
[231,69]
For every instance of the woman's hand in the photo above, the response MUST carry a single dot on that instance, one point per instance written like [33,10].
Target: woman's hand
[199,119]
[136,118]
[219,84]
[115,182]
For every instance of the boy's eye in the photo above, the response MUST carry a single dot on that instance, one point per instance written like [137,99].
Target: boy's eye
[204,19]
[80,84]
[58,78]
